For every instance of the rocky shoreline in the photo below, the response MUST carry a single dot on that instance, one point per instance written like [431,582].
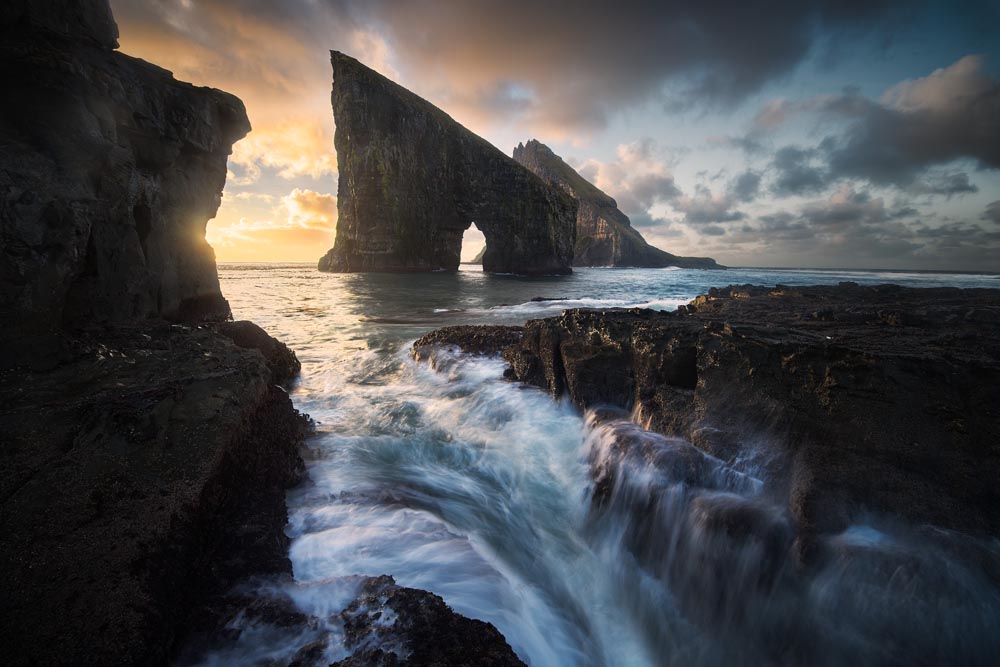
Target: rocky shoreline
[126,503]
[865,399]
[148,441]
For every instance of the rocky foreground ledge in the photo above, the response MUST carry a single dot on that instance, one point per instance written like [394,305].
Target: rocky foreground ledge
[144,472]
[863,399]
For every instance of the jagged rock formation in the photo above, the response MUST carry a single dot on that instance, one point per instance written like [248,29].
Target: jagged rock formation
[127,440]
[144,462]
[423,631]
[795,426]
[124,498]
[412,180]
[383,625]
[109,170]
[604,235]
[868,398]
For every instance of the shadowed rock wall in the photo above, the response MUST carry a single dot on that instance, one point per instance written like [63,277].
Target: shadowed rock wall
[604,235]
[109,171]
[412,180]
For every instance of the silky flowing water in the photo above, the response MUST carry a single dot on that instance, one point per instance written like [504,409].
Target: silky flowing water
[452,480]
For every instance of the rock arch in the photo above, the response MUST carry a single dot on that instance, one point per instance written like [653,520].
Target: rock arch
[412,180]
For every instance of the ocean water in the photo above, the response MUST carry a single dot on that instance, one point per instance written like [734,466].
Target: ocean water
[452,480]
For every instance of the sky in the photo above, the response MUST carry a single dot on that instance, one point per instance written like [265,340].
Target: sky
[796,133]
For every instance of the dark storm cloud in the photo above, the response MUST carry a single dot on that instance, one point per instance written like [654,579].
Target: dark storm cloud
[992,212]
[746,186]
[795,172]
[706,207]
[947,184]
[845,208]
[953,113]
[918,125]
[582,60]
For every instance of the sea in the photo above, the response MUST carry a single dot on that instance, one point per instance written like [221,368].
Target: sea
[453,480]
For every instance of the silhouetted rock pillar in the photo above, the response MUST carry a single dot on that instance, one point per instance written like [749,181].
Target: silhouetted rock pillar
[412,180]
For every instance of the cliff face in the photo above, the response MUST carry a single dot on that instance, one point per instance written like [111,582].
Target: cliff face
[109,171]
[874,398]
[604,235]
[124,498]
[412,180]
[860,398]
[127,440]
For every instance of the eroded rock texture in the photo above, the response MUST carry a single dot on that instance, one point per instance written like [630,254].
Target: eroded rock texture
[389,625]
[109,171]
[143,474]
[604,235]
[862,398]
[143,463]
[412,180]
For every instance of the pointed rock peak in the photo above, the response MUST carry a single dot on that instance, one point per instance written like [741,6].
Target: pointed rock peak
[412,180]
[604,235]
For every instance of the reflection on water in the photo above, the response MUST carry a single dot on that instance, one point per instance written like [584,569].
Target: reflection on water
[454,481]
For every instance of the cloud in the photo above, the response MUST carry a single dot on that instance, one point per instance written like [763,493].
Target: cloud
[992,212]
[917,125]
[706,207]
[596,61]
[845,207]
[481,59]
[310,209]
[948,184]
[638,178]
[292,148]
[303,221]
[852,228]
[746,186]
[796,173]
[747,144]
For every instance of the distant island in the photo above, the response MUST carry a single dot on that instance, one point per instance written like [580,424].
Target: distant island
[604,235]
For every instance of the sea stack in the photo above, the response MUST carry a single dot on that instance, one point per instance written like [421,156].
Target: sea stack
[604,235]
[412,180]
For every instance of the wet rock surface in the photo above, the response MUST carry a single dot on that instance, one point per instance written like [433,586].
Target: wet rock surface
[387,625]
[481,340]
[604,235]
[109,170]
[142,475]
[862,399]
[412,180]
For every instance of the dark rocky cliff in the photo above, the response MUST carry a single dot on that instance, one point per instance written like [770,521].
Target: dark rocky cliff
[604,235]
[862,399]
[128,439]
[412,180]
[110,170]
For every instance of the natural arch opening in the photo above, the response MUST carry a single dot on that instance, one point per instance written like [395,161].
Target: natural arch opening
[473,245]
